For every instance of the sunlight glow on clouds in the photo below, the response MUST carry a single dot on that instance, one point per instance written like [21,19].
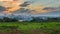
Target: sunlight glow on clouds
[11,6]
[37,5]
[6,0]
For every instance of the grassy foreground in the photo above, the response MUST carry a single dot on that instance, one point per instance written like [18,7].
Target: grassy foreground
[31,27]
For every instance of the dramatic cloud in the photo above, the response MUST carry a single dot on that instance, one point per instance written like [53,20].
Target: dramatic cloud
[37,9]
[22,10]
[2,8]
[47,8]
[11,6]
[52,8]
[25,4]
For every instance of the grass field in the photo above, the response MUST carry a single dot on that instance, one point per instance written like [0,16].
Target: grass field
[33,27]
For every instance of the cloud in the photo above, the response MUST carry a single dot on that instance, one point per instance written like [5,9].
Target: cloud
[25,4]
[11,6]
[32,10]
[2,8]
[49,8]
[28,7]
[22,10]
[43,9]
[52,8]
[14,6]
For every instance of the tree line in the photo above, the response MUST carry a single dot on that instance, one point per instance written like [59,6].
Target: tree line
[6,19]
[37,19]
[48,19]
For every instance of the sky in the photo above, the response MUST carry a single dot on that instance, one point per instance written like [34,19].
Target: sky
[48,3]
[29,6]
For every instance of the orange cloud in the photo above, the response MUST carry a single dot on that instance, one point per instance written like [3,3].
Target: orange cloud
[38,9]
[11,10]
[6,0]
[11,6]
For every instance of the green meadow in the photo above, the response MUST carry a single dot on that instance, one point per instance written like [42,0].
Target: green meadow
[32,27]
